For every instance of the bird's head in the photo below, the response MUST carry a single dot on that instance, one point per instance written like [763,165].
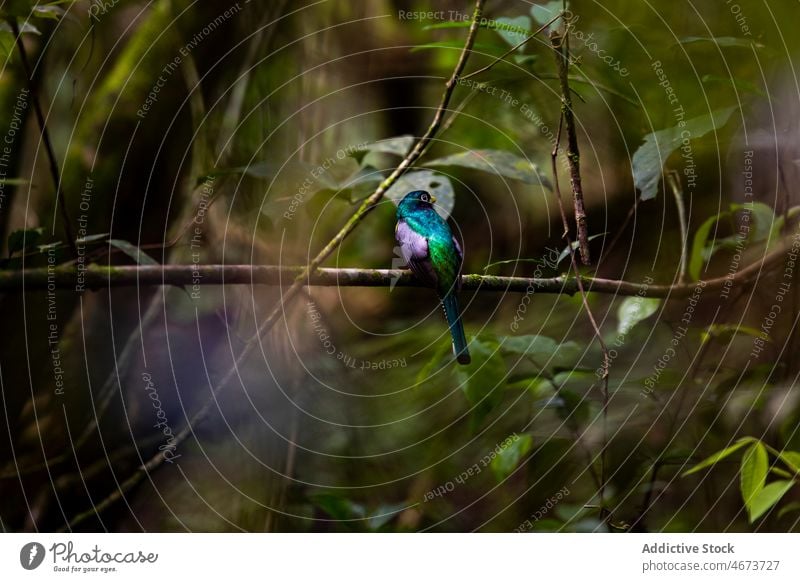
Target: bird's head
[416,200]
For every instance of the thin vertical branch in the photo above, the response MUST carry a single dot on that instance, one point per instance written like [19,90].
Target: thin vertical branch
[55,174]
[560,44]
[677,192]
[604,513]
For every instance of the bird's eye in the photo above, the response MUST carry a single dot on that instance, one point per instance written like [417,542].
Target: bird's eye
[424,197]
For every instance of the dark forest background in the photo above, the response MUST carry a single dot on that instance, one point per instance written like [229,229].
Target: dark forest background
[247,133]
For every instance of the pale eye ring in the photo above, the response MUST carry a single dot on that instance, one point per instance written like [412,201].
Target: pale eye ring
[424,197]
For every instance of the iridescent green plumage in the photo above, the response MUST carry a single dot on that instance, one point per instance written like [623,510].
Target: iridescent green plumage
[431,251]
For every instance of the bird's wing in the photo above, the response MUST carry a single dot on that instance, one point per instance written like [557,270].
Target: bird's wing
[414,248]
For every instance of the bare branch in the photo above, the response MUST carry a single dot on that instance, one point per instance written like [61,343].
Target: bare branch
[98,277]
[560,44]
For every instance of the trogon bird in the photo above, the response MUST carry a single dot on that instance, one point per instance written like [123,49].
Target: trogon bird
[435,257]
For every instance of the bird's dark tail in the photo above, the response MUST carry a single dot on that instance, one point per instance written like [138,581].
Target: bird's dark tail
[453,315]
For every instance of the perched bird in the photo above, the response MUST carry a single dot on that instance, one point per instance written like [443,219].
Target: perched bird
[434,255]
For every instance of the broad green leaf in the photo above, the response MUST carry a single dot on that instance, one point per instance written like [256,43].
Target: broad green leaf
[510,456]
[20,240]
[649,160]
[513,30]
[437,184]
[543,13]
[133,252]
[753,471]
[482,381]
[396,146]
[767,498]
[761,222]
[537,386]
[633,310]
[719,455]
[358,185]
[498,162]
[542,350]
[575,378]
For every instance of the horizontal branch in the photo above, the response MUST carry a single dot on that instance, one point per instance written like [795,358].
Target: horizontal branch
[97,277]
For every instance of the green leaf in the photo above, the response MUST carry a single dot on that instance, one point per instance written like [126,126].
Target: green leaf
[510,456]
[788,508]
[723,41]
[651,157]
[19,240]
[498,162]
[542,349]
[383,515]
[359,185]
[514,30]
[482,381]
[719,455]
[133,252]
[289,176]
[13,181]
[728,330]
[575,378]
[738,84]
[337,507]
[93,238]
[25,28]
[572,407]
[633,310]
[753,471]
[538,387]
[50,12]
[792,460]
[438,360]
[565,251]
[396,146]
[437,184]
[489,49]
[763,218]
[767,498]
[697,256]
[542,13]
